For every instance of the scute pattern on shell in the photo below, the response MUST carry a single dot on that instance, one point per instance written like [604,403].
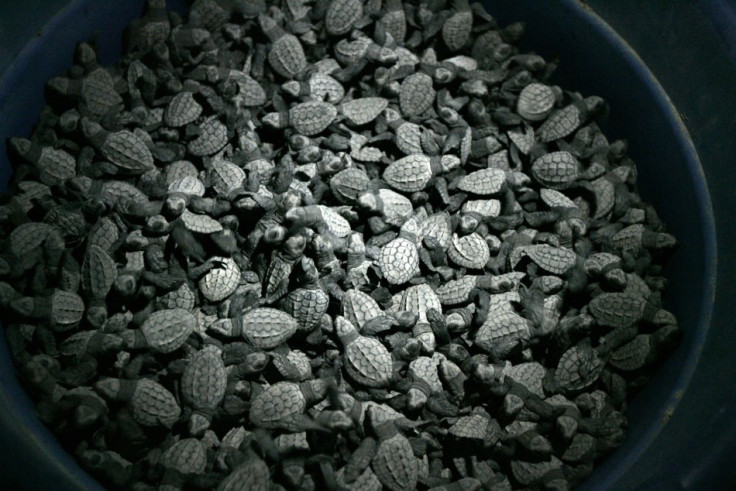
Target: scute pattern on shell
[399,261]
[221,281]
[267,328]
[152,405]
[167,330]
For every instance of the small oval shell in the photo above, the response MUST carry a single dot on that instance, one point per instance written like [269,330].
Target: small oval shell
[267,328]
[166,330]
[221,281]
[399,261]
[470,251]
[483,182]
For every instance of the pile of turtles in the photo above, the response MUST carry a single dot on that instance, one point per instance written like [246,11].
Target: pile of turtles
[315,244]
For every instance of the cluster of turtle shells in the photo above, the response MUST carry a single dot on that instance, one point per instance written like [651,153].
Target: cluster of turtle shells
[349,244]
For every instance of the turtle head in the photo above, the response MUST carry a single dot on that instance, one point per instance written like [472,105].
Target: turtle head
[450,162]
[368,201]
[85,54]
[176,203]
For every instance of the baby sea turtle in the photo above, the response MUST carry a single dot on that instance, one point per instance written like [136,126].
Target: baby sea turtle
[341,15]
[469,251]
[203,387]
[485,182]
[413,172]
[399,259]
[164,331]
[286,55]
[568,119]
[535,102]
[123,148]
[281,404]
[221,281]
[54,165]
[367,360]
[61,310]
[394,462]
[622,309]
[416,95]
[348,184]
[363,110]
[150,403]
[308,303]
[456,30]
[308,118]
[319,87]
[263,327]
[393,207]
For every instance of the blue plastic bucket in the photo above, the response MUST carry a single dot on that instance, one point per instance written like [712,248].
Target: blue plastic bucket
[681,427]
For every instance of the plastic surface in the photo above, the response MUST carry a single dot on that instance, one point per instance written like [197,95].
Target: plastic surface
[682,431]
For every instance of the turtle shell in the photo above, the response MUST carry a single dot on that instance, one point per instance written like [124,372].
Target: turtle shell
[167,330]
[529,374]
[128,151]
[484,182]
[605,197]
[98,272]
[408,138]
[439,227]
[399,261]
[502,331]
[324,87]
[267,328]
[341,15]
[469,251]
[556,170]
[221,281]
[631,356]
[419,299]
[409,174]
[251,475]
[395,464]
[186,456]
[277,403]
[476,427]
[396,207]
[307,306]
[202,224]
[578,368]
[55,166]
[359,307]
[183,298]
[457,291]
[364,110]
[555,199]
[486,208]
[335,222]
[188,185]
[416,94]
[456,30]
[182,110]
[561,123]
[211,139]
[225,176]
[98,93]
[535,102]
[556,260]
[617,309]
[347,184]
[312,117]
[152,405]
[203,380]
[287,56]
